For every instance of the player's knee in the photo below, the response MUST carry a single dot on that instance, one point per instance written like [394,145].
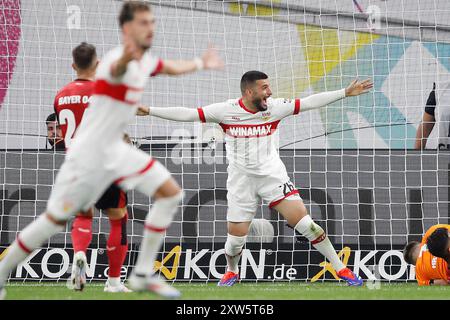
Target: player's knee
[56,220]
[168,189]
[116,213]
[59,211]
[238,229]
[295,216]
[165,208]
[172,200]
[234,244]
[177,189]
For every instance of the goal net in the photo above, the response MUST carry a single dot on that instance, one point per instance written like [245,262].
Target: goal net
[353,162]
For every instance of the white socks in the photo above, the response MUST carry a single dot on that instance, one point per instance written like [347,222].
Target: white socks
[114,282]
[233,251]
[314,233]
[157,221]
[32,237]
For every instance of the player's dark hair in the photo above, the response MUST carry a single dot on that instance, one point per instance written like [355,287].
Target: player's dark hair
[51,118]
[408,251]
[250,77]
[129,8]
[438,243]
[84,55]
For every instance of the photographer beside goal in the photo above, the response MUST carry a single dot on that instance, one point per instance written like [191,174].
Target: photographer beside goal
[255,169]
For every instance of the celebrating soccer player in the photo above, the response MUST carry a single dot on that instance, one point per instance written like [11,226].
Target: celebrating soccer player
[98,156]
[431,256]
[255,168]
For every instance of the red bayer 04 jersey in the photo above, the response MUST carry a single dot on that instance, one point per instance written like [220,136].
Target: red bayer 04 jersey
[70,103]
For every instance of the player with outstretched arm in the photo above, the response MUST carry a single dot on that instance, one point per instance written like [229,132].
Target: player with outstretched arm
[255,169]
[98,156]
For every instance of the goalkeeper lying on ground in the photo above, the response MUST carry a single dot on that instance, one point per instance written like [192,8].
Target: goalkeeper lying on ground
[430,269]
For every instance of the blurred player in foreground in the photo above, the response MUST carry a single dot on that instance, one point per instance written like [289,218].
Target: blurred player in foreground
[98,156]
[431,256]
[70,105]
[255,169]
[54,133]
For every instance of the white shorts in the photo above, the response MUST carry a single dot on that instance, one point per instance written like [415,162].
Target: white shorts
[245,193]
[79,185]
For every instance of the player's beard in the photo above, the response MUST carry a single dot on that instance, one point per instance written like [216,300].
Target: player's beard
[258,103]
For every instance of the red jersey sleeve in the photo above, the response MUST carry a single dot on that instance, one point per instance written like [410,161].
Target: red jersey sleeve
[286,107]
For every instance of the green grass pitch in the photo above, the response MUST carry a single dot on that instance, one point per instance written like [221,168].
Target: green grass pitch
[242,291]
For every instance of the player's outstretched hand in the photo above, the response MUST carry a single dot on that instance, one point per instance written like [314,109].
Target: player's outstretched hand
[211,59]
[358,87]
[143,111]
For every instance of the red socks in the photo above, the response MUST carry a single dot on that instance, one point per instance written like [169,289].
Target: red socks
[117,245]
[81,233]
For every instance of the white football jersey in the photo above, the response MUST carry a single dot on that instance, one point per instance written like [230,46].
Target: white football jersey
[251,137]
[112,106]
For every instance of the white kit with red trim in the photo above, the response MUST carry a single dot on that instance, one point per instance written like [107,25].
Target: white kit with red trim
[251,137]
